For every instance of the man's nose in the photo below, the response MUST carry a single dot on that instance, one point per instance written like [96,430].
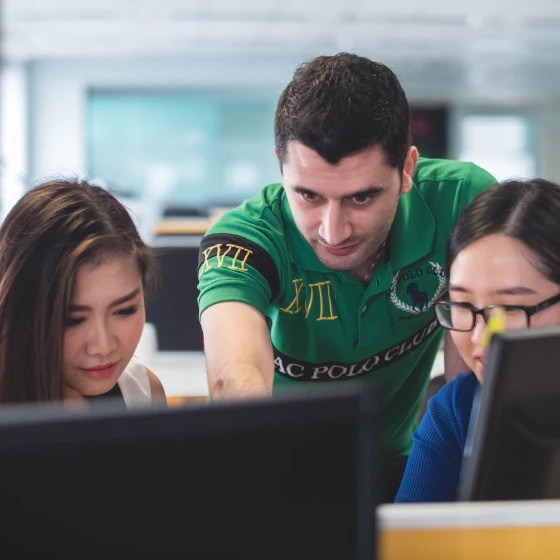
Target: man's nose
[335,228]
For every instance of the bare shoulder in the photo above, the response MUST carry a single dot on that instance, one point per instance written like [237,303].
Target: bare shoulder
[156,388]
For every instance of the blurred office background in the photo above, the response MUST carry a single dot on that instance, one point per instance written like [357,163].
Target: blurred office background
[169,104]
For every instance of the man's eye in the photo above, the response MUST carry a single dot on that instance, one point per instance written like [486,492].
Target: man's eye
[361,198]
[310,197]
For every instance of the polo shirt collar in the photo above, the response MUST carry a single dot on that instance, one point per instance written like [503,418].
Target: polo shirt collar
[413,232]
[411,238]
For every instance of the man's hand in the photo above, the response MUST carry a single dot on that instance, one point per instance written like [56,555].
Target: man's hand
[239,357]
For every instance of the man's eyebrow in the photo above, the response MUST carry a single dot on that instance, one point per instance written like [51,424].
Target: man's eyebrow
[362,192]
[365,192]
[304,190]
[119,301]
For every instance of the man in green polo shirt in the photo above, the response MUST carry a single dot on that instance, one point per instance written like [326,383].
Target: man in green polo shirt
[331,276]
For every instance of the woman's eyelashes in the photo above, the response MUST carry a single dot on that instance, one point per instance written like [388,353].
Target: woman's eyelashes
[74,321]
[124,312]
[461,304]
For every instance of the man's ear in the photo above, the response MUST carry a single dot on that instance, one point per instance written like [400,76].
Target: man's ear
[408,169]
[277,158]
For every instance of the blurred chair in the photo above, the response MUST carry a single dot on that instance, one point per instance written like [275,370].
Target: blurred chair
[184,212]
[173,309]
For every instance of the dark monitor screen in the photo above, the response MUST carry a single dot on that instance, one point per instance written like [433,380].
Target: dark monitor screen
[278,479]
[513,445]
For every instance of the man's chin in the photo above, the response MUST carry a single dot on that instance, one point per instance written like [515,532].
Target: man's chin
[333,262]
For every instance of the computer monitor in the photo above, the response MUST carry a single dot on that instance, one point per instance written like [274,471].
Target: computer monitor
[276,480]
[513,444]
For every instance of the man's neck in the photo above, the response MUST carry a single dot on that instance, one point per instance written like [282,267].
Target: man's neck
[364,272]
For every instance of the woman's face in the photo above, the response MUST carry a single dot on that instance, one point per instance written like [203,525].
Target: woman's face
[104,325]
[497,270]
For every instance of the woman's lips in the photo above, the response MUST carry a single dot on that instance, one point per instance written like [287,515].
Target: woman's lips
[100,372]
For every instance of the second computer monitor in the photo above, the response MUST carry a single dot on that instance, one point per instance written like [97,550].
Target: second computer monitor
[513,447]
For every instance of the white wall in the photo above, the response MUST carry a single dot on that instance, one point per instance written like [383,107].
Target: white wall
[58,93]
[548,143]
[13,134]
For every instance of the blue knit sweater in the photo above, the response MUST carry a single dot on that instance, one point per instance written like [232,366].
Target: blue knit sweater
[434,464]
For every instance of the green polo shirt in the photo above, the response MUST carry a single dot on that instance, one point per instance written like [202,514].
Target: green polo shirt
[325,326]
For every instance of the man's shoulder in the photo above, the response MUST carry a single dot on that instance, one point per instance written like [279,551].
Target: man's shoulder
[429,171]
[449,186]
[262,212]
[244,255]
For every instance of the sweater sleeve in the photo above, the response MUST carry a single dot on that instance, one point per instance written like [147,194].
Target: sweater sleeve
[434,464]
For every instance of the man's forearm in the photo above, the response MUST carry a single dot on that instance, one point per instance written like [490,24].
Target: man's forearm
[243,383]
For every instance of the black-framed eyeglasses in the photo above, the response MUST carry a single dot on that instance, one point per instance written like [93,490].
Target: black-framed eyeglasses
[462,316]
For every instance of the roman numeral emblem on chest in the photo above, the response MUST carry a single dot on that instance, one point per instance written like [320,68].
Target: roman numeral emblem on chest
[320,300]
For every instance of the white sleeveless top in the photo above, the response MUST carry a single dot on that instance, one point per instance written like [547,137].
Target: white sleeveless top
[134,384]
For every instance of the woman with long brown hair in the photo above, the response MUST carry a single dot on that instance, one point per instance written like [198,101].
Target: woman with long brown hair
[73,274]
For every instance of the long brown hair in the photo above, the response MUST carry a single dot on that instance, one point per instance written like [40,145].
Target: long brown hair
[52,230]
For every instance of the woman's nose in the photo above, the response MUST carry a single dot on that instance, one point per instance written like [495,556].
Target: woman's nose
[478,330]
[101,341]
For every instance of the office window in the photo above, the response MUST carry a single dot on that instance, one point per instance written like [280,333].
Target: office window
[501,144]
[182,149]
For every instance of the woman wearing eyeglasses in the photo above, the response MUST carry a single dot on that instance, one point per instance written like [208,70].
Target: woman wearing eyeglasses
[504,252]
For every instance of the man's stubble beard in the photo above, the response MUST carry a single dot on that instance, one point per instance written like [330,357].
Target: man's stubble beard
[369,250]
[366,250]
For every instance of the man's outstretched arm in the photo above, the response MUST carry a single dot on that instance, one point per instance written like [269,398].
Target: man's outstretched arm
[239,357]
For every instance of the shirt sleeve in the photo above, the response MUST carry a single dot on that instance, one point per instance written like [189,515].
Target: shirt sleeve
[242,258]
[434,464]
[476,180]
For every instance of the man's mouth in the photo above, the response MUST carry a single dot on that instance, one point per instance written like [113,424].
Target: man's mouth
[340,251]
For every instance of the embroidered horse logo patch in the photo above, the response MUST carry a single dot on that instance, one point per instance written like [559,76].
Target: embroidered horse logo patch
[418,297]
[420,283]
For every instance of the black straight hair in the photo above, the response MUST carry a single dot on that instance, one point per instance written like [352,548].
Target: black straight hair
[526,210]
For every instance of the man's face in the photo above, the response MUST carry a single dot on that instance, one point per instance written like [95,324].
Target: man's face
[344,211]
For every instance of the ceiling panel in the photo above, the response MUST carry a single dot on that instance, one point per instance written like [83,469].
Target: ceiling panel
[455,48]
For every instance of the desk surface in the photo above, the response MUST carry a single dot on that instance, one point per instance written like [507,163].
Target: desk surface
[182,226]
[481,530]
